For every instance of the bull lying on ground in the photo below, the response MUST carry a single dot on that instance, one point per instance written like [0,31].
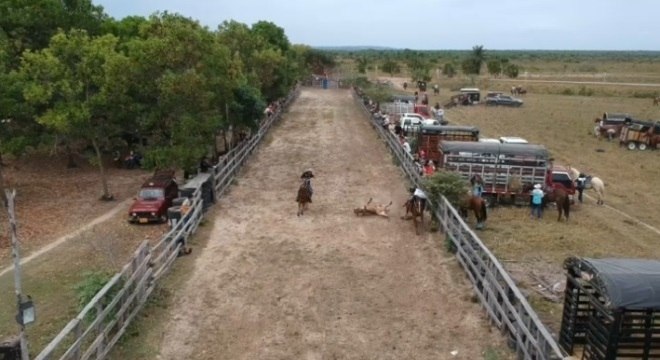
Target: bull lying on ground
[378,209]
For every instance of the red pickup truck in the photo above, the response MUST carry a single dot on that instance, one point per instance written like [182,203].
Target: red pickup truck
[154,198]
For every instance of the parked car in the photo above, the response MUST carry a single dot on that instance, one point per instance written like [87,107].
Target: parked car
[611,124]
[154,198]
[503,100]
[412,121]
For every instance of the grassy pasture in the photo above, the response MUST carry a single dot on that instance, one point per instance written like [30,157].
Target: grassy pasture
[560,116]
[563,124]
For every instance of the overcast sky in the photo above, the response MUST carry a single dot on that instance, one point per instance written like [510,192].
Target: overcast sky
[431,24]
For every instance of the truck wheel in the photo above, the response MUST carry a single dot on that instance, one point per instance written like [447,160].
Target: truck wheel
[631,145]
[642,146]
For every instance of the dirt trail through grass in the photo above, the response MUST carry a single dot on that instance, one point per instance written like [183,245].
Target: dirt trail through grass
[327,285]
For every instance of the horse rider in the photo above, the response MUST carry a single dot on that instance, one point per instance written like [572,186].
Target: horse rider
[580,183]
[477,184]
[418,194]
[307,181]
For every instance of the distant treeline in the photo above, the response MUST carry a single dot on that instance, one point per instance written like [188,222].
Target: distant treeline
[514,55]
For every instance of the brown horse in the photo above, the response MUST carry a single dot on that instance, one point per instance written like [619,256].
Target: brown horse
[304,196]
[415,206]
[656,101]
[476,204]
[560,197]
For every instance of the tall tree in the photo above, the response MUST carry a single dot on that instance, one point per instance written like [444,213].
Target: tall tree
[182,80]
[82,81]
[30,24]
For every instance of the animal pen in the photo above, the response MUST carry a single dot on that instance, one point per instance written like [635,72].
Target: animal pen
[504,303]
[612,308]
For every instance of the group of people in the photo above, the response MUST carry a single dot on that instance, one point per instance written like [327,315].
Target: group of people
[425,167]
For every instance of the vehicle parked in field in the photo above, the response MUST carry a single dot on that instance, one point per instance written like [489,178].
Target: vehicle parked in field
[472,94]
[499,165]
[512,140]
[503,100]
[611,124]
[154,198]
[410,122]
[640,135]
[429,137]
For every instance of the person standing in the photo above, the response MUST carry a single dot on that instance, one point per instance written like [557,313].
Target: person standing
[580,183]
[406,146]
[477,185]
[537,202]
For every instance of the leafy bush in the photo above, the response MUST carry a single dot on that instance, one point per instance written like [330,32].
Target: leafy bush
[644,94]
[89,286]
[568,91]
[511,70]
[585,91]
[448,184]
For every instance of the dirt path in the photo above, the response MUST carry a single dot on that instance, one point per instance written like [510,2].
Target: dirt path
[327,285]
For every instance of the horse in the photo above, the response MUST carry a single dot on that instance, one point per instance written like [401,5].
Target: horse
[560,197]
[656,100]
[304,196]
[593,182]
[476,204]
[599,187]
[415,206]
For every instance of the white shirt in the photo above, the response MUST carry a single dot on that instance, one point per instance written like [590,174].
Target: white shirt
[406,147]
[420,194]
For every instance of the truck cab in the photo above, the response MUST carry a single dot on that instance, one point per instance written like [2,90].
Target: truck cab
[154,198]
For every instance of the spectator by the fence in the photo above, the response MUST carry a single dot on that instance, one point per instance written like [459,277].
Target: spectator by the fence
[418,165]
[406,146]
[429,168]
[386,121]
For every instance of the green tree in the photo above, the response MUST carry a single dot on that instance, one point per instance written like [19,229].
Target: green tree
[472,64]
[511,70]
[31,24]
[391,67]
[362,64]
[448,184]
[182,80]
[80,81]
[494,67]
[449,70]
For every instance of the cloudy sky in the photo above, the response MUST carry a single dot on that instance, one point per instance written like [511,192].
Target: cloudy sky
[431,24]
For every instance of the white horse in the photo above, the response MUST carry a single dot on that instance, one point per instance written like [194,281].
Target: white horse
[593,182]
[599,187]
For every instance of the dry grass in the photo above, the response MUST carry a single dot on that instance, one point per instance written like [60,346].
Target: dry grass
[563,124]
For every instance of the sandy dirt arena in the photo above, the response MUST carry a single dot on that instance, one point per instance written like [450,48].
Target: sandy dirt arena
[327,285]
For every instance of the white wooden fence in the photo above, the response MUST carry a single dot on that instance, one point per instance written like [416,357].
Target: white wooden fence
[506,306]
[97,328]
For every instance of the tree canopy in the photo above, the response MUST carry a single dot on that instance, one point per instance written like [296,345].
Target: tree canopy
[72,73]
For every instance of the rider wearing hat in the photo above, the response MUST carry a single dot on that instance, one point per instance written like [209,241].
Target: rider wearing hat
[419,194]
[307,176]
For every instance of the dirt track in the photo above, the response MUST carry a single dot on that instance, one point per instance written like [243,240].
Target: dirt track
[328,285]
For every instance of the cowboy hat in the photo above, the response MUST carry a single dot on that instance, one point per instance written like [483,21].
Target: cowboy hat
[308,173]
[537,186]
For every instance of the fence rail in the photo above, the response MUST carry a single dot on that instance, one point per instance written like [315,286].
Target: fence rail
[99,326]
[506,306]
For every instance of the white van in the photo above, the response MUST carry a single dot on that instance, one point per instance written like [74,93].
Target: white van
[513,140]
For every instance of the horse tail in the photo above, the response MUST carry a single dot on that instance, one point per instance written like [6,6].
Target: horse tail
[484,211]
[567,207]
